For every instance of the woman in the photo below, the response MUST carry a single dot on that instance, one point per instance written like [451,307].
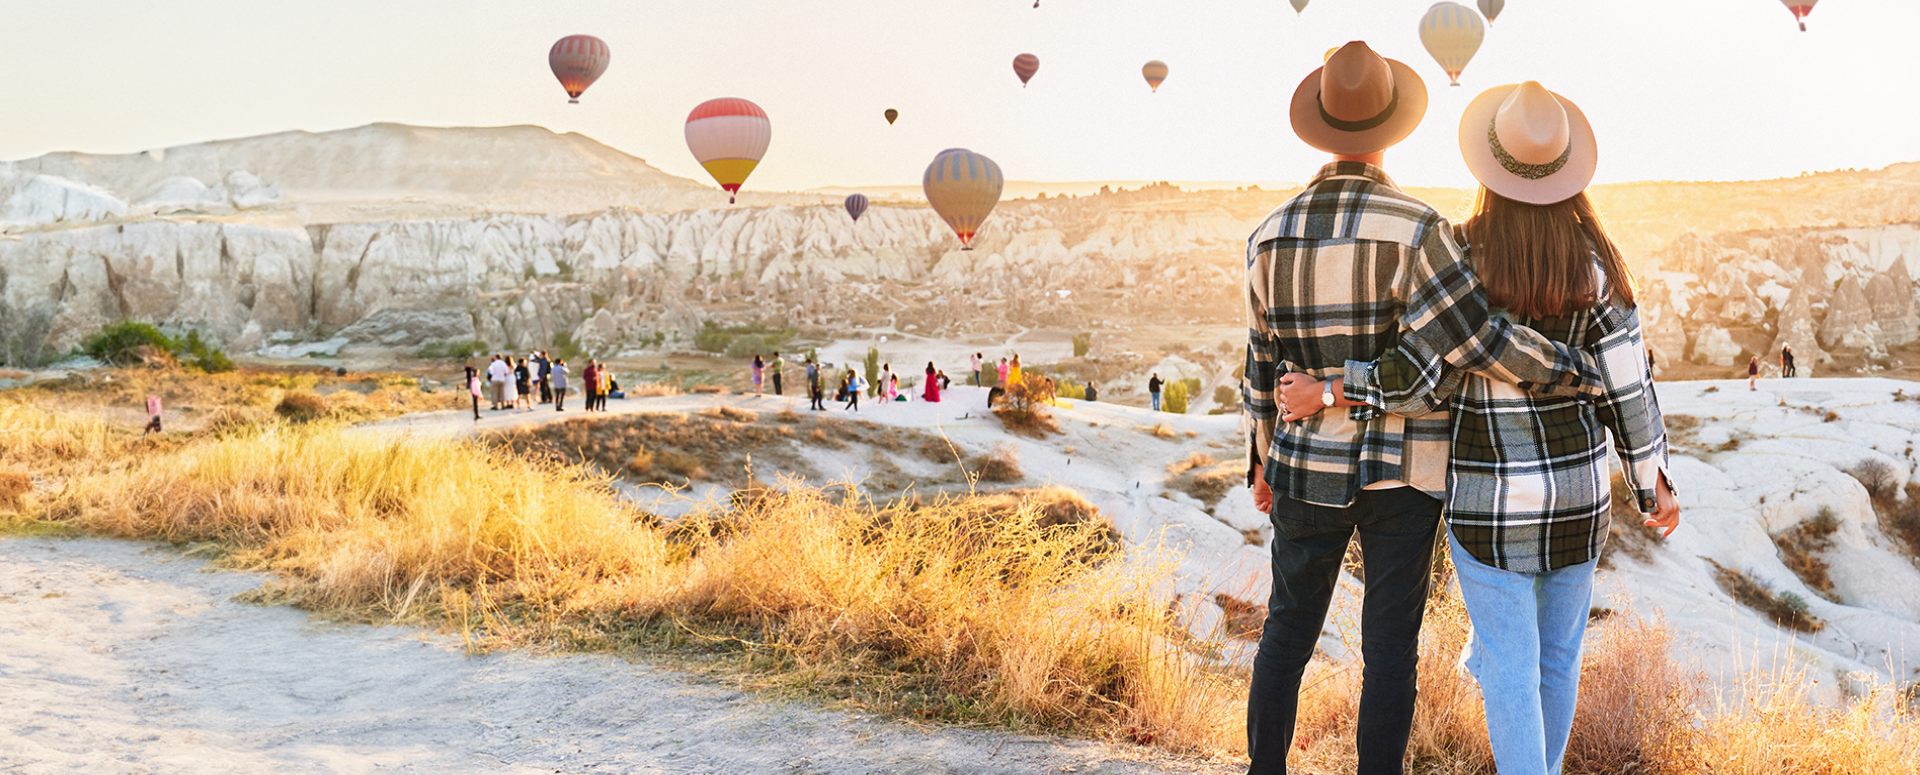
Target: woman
[1001,373]
[473,386]
[522,385]
[759,369]
[606,388]
[1013,372]
[886,382]
[1753,373]
[931,392]
[1528,498]
[852,387]
[559,380]
[509,395]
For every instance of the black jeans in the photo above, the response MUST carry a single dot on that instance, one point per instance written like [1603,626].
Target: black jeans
[1397,531]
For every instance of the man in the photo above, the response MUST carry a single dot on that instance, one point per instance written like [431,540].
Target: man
[498,372]
[1153,390]
[1337,275]
[544,367]
[775,367]
[1786,360]
[814,391]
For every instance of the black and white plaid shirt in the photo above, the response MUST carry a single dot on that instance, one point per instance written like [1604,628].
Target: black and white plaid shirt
[1342,273]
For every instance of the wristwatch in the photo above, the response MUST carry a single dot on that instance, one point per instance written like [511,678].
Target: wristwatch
[1326,394]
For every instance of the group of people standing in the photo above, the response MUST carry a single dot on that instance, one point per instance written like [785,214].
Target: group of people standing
[851,383]
[1006,374]
[1438,406]
[510,383]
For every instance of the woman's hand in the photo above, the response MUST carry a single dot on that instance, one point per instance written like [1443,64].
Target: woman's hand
[1666,509]
[1300,396]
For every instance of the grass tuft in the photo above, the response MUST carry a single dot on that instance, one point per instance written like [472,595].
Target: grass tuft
[1000,465]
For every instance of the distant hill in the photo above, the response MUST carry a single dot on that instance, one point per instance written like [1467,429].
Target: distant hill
[396,170]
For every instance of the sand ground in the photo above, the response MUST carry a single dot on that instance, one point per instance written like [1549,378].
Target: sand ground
[127,657]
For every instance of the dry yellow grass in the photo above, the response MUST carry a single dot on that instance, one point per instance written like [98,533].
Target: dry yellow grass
[1008,609]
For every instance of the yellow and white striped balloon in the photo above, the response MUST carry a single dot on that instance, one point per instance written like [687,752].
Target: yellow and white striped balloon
[728,136]
[963,188]
[1452,33]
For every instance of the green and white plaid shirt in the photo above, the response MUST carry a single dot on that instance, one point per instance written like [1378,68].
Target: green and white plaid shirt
[1527,486]
[1343,273]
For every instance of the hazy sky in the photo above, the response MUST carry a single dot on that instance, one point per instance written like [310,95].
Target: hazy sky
[1677,89]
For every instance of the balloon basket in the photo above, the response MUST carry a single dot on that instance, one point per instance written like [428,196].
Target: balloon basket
[573,102]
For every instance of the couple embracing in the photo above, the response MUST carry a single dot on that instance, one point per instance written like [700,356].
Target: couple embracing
[1409,379]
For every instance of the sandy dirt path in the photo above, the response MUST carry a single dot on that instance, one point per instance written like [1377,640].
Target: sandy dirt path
[125,657]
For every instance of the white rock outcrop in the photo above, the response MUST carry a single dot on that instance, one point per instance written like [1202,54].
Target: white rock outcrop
[44,199]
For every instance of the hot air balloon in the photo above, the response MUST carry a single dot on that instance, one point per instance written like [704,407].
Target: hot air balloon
[1155,72]
[856,206]
[728,136]
[891,114]
[1491,8]
[1299,6]
[1025,66]
[963,187]
[578,61]
[1452,33]
[1800,9]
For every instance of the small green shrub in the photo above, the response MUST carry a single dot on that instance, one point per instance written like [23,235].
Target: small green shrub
[303,406]
[130,343]
[1082,344]
[1175,400]
[1225,396]
[451,350]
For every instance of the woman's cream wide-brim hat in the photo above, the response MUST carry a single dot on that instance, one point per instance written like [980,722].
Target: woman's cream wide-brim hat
[1528,144]
[1358,103]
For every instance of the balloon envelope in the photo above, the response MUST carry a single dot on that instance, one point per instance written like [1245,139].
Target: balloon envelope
[856,206]
[728,136]
[1800,9]
[578,61]
[1025,66]
[963,187]
[1155,71]
[1492,8]
[891,114]
[1298,5]
[1452,33]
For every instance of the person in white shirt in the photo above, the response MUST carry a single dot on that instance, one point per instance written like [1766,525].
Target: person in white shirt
[498,373]
[976,360]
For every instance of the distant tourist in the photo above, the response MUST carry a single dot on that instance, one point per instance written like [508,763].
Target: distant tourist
[1786,361]
[604,388]
[759,372]
[776,366]
[931,391]
[497,373]
[885,391]
[588,374]
[546,373]
[1153,390]
[893,388]
[559,384]
[816,393]
[851,388]
[153,415]
[946,382]
[1014,377]
[473,386]
[1093,393]
[508,394]
[1753,372]
[1001,373]
[1527,516]
[522,385]
[975,362]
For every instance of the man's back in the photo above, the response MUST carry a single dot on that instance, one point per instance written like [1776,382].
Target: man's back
[1328,275]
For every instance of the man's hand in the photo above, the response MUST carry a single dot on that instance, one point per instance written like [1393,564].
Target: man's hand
[1666,509]
[1299,396]
[1262,494]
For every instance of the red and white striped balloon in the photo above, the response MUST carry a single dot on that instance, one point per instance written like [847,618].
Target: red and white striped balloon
[578,61]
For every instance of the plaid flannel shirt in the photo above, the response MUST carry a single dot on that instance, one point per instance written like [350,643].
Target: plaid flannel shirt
[1344,272]
[1527,486]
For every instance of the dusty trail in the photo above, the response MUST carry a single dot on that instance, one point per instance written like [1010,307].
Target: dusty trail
[125,657]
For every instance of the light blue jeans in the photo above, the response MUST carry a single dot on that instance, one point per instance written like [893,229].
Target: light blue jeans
[1525,653]
[1156,401]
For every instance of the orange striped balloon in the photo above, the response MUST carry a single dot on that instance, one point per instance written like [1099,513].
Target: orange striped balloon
[578,61]
[963,188]
[728,136]
[1025,66]
[1155,72]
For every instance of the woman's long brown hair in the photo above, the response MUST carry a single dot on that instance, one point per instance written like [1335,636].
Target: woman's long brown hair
[1535,259]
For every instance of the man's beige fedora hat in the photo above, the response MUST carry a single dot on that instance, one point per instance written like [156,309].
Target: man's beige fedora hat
[1528,144]
[1358,102]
